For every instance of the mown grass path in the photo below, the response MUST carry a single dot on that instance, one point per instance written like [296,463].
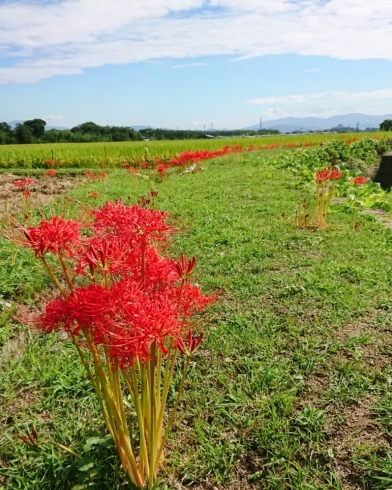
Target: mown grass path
[292,388]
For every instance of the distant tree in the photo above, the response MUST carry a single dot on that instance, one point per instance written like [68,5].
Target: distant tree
[386,125]
[24,133]
[37,126]
[87,127]
[5,127]
[6,134]
[52,136]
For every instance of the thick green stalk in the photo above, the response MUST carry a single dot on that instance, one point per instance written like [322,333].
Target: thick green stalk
[170,364]
[151,365]
[172,414]
[133,388]
[122,441]
[54,278]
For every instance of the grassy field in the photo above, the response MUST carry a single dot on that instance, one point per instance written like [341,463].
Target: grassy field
[113,154]
[290,390]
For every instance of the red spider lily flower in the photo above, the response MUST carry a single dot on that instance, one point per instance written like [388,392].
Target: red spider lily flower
[27,193]
[90,174]
[51,173]
[327,174]
[359,180]
[131,221]
[103,175]
[125,164]
[183,267]
[82,309]
[193,343]
[107,253]
[334,174]
[94,194]
[24,182]
[52,236]
[322,175]
[153,193]
[162,169]
[144,202]
[191,300]
[132,170]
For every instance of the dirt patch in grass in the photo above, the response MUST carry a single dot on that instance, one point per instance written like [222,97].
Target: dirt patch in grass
[14,346]
[380,215]
[352,427]
[42,191]
[359,429]
[315,387]
[375,349]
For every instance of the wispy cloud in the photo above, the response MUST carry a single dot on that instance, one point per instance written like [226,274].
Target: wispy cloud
[47,39]
[325,104]
[189,65]
[52,118]
[312,70]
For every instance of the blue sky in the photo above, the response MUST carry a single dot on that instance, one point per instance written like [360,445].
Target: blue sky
[193,63]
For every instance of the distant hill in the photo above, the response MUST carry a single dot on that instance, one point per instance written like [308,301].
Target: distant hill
[14,123]
[47,128]
[290,124]
[61,128]
[138,128]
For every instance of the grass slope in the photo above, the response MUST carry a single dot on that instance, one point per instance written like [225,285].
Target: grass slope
[291,389]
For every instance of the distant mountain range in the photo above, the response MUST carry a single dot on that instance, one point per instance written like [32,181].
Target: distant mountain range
[47,128]
[290,124]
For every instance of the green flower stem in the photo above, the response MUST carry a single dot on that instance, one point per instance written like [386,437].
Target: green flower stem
[66,273]
[133,388]
[151,366]
[54,278]
[122,438]
[173,413]
[170,364]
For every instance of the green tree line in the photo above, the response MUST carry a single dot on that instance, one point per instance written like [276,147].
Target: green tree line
[33,131]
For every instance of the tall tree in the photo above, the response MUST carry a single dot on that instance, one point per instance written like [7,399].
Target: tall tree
[37,126]
[24,133]
[386,125]
[5,127]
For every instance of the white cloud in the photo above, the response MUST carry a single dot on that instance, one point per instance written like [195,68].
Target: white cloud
[325,104]
[189,65]
[44,40]
[54,118]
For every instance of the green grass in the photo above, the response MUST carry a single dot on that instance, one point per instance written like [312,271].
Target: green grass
[297,348]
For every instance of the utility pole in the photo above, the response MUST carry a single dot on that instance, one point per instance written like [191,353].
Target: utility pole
[261,124]
[204,126]
[212,127]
